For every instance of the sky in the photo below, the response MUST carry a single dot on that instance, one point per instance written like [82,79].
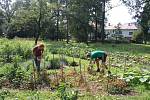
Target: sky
[119,14]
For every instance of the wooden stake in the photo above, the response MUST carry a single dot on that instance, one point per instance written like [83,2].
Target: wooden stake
[34,75]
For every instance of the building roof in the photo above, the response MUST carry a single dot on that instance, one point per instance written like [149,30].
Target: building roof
[122,26]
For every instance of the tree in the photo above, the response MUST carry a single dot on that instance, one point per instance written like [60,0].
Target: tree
[118,33]
[1,22]
[25,22]
[8,10]
[137,36]
[55,19]
[142,14]
[144,22]
[79,19]
[40,10]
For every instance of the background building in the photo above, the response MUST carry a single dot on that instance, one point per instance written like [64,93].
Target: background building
[126,30]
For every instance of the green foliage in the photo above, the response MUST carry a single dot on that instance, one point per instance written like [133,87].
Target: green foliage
[73,63]
[117,36]
[19,71]
[65,93]
[16,76]
[118,86]
[138,79]
[72,50]
[79,21]
[137,36]
[143,17]
[4,94]
[19,78]
[52,19]
[9,49]
[54,64]
[115,90]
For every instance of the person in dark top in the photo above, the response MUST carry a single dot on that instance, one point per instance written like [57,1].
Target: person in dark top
[96,56]
[37,53]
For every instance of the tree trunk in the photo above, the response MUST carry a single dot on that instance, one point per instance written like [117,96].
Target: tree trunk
[37,37]
[85,30]
[67,27]
[57,28]
[145,34]
[145,39]
[96,25]
[39,27]
[67,33]
[103,22]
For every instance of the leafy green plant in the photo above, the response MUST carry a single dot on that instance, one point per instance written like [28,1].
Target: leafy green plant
[7,53]
[10,75]
[35,95]
[73,63]
[118,86]
[65,93]
[54,64]
[44,77]
[19,78]
[64,61]
[9,49]
[16,59]
[134,79]
[116,90]
[4,94]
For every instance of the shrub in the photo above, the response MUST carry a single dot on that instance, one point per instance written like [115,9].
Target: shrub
[137,36]
[65,93]
[9,49]
[73,63]
[118,86]
[4,94]
[54,64]
[19,78]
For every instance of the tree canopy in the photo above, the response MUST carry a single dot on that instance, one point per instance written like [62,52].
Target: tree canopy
[54,19]
[141,9]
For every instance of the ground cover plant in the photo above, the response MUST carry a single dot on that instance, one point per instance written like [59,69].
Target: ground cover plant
[128,72]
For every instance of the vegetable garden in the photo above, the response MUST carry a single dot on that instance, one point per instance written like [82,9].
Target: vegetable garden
[67,75]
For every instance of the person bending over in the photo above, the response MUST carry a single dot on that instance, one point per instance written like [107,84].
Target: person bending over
[96,56]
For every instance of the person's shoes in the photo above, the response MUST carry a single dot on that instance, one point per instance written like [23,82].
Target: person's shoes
[102,71]
[106,67]
[109,72]
[98,70]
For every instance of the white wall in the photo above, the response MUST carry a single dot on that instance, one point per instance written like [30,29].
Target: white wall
[125,32]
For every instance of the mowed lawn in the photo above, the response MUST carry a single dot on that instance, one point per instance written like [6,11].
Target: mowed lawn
[136,49]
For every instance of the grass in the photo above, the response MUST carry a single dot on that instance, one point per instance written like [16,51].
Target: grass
[30,95]
[143,96]
[47,95]
[136,49]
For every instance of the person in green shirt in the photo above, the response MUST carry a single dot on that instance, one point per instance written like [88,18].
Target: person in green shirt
[96,56]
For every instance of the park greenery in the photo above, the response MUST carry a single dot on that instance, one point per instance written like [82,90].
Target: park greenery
[65,19]
[69,29]
[141,10]
[52,19]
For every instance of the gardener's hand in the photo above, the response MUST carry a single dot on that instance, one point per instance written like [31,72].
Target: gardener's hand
[39,58]
[104,64]
[94,62]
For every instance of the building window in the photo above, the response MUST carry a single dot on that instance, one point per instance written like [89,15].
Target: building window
[113,31]
[130,33]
